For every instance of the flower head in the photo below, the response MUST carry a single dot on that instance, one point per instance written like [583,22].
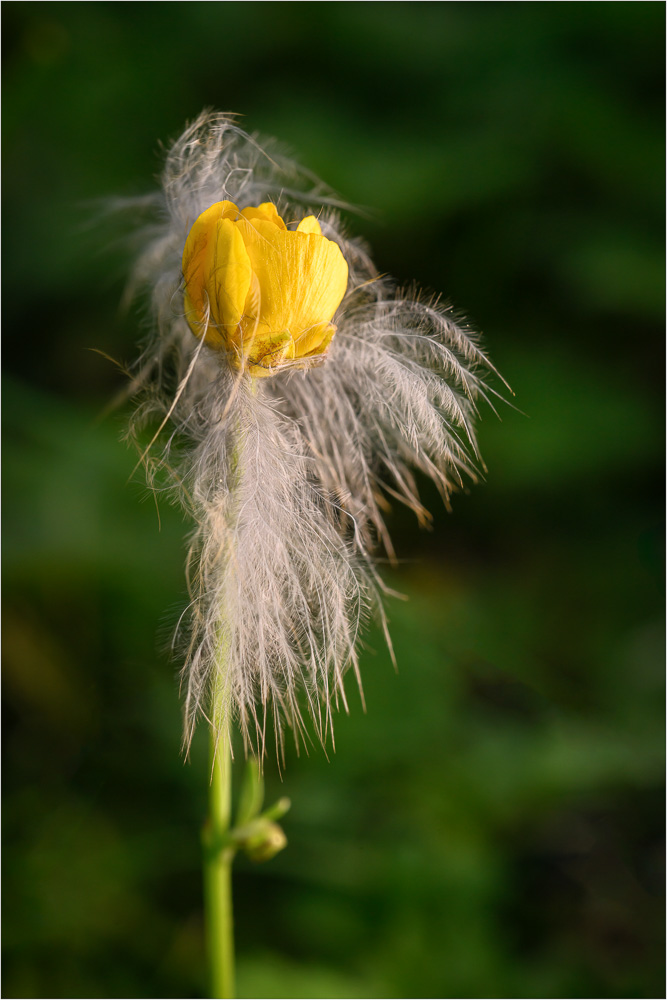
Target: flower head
[286,478]
[259,291]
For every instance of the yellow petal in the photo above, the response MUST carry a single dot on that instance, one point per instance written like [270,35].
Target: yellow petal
[302,277]
[266,212]
[228,275]
[210,253]
[315,340]
[309,225]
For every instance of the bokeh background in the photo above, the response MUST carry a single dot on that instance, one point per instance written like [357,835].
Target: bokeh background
[492,826]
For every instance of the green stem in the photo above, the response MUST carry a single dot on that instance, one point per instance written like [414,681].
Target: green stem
[218,868]
[218,848]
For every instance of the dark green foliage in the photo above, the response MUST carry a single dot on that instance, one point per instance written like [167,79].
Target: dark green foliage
[492,826]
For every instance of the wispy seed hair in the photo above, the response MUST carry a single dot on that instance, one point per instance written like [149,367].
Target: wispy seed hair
[287,479]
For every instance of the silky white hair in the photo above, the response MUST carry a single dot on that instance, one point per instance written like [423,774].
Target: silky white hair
[287,478]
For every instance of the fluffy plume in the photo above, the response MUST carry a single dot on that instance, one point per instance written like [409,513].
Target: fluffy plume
[287,477]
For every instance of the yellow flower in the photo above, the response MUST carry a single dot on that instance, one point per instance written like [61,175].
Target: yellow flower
[259,291]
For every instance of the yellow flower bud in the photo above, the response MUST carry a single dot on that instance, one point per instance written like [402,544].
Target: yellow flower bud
[262,293]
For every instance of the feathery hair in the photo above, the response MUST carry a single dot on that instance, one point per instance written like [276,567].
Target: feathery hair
[286,478]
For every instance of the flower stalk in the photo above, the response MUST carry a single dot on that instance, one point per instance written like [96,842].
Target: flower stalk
[255,832]
[218,857]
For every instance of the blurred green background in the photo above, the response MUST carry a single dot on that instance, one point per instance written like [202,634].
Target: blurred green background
[492,827]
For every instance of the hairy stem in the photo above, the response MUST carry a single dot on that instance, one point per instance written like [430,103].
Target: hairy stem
[218,866]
